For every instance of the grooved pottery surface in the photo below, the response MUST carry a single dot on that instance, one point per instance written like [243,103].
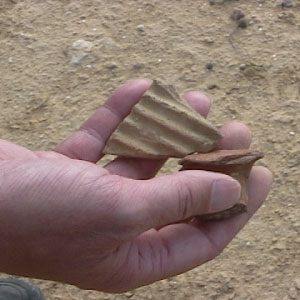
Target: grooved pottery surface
[162,125]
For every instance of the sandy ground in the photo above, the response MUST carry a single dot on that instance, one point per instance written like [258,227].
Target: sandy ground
[49,85]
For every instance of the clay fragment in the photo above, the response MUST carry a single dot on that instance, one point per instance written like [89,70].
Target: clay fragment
[236,163]
[162,125]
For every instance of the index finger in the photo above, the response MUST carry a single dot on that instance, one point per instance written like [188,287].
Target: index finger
[88,142]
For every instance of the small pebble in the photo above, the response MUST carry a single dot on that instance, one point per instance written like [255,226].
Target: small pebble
[293,294]
[243,67]
[82,45]
[237,15]
[297,284]
[286,3]
[208,41]
[243,23]
[138,66]
[140,28]
[212,86]
[112,66]
[80,50]
[78,57]
[129,294]
[209,65]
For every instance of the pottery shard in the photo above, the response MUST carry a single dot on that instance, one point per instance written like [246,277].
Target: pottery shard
[236,163]
[162,125]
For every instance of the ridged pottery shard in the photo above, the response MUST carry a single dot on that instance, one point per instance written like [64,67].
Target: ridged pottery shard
[236,163]
[162,125]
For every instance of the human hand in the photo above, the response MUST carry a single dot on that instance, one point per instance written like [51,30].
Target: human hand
[64,218]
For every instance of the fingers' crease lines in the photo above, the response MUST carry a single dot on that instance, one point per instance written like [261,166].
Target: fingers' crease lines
[92,133]
[166,247]
[215,248]
[140,259]
[113,111]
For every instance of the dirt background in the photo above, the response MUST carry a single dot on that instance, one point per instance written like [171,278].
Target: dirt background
[49,85]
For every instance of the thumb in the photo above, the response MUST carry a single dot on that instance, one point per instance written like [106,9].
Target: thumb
[173,198]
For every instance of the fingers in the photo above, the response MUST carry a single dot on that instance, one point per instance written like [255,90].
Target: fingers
[147,168]
[221,233]
[212,237]
[199,102]
[235,136]
[173,198]
[9,151]
[135,168]
[181,247]
[88,142]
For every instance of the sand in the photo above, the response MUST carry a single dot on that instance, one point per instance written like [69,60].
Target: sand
[59,60]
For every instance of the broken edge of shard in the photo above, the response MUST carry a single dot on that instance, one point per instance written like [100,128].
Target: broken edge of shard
[235,163]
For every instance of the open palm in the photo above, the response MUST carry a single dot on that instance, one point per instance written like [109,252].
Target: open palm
[65,218]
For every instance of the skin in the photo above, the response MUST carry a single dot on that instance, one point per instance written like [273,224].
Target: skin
[64,218]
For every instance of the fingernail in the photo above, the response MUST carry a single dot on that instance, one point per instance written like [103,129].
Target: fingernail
[225,194]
